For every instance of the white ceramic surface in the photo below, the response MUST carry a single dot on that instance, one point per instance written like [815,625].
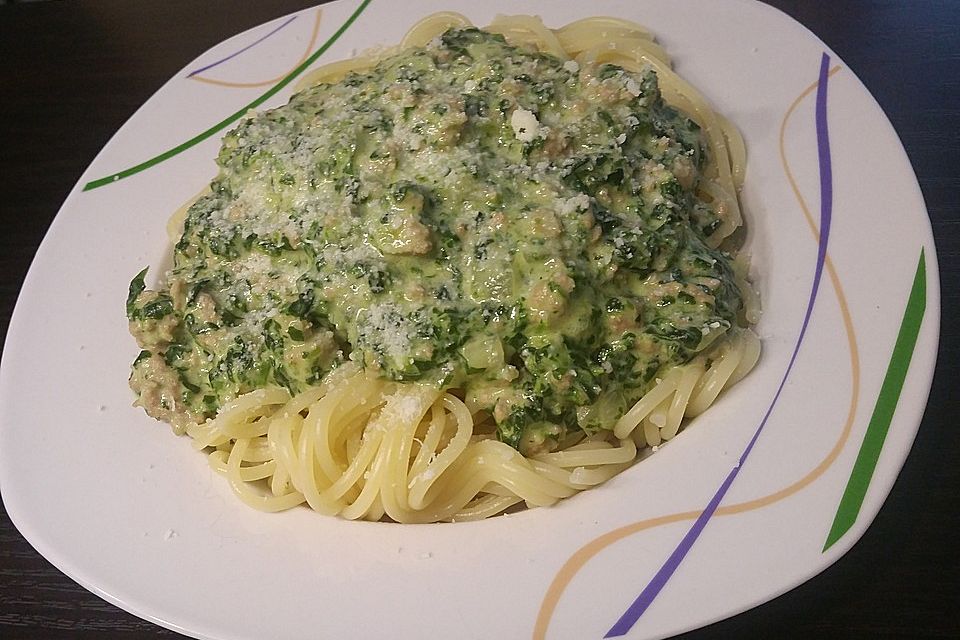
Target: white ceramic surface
[134,514]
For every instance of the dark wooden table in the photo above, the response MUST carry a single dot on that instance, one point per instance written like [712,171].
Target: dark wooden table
[72,72]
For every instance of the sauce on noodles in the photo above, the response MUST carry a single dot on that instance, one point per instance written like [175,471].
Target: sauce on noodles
[537,234]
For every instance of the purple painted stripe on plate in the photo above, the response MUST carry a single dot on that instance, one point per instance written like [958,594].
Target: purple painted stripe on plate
[650,592]
[236,53]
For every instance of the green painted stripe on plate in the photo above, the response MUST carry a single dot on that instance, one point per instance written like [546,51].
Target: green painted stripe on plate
[166,155]
[879,424]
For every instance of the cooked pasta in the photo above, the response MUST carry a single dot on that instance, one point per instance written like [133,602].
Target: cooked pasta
[474,297]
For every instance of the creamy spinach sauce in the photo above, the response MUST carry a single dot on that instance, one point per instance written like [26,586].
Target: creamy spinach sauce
[469,214]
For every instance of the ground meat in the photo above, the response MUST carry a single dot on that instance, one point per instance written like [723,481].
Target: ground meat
[158,391]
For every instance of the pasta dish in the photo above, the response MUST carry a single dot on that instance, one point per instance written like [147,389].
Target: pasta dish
[484,268]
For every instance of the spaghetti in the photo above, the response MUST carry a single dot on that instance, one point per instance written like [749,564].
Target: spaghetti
[334,403]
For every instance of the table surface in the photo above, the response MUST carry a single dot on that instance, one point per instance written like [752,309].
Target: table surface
[64,68]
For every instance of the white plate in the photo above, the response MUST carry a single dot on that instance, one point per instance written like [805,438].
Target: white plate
[134,514]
